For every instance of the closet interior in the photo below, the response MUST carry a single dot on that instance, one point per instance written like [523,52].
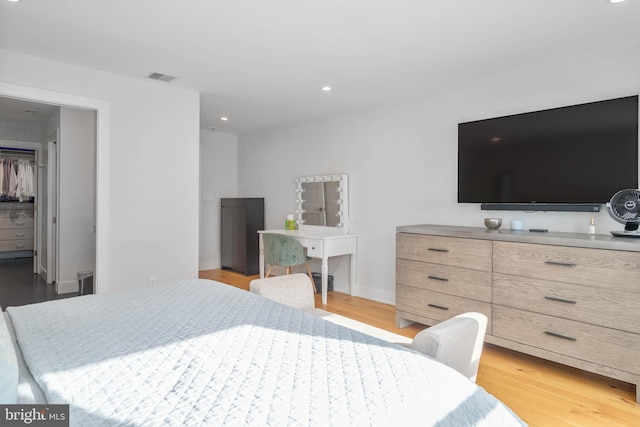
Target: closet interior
[17,196]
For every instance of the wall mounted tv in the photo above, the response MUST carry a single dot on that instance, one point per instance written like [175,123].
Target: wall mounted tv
[563,159]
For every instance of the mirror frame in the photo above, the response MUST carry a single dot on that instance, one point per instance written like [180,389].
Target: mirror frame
[343,201]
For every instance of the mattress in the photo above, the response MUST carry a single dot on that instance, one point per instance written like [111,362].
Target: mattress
[29,392]
[203,353]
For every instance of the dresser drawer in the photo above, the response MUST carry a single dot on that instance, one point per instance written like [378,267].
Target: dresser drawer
[474,284]
[6,206]
[16,223]
[436,305]
[457,252]
[596,344]
[314,248]
[16,245]
[613,308]
[16,213]
[16,233]
[617,270]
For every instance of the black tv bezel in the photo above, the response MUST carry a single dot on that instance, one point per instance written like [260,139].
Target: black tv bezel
[546,206]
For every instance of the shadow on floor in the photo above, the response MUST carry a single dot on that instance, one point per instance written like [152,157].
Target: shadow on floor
[19,286]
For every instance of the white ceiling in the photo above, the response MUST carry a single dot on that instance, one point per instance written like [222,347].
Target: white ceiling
[262,63]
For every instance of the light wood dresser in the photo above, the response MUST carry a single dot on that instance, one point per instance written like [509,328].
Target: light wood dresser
[16,226]
[566,297]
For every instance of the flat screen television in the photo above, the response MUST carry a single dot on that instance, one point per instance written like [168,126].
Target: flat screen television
[568,158]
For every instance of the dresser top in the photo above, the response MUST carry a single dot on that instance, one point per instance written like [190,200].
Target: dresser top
[581,240]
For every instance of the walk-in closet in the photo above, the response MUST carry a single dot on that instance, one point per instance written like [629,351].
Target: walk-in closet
[47,215]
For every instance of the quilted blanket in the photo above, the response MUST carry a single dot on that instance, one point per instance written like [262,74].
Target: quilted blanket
[203,353]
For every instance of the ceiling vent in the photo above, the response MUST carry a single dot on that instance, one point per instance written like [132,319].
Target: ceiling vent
[160,76]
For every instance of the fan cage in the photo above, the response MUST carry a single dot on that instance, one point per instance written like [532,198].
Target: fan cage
[624,206]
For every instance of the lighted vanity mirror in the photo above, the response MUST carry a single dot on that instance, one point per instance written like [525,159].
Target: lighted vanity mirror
[322,201]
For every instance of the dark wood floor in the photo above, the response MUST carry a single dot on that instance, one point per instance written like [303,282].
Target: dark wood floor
[19,286]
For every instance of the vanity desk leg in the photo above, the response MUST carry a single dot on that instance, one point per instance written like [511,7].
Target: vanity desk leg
[325,276]
[261,256]
[352,284]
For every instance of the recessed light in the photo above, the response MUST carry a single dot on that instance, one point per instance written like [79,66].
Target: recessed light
[224,119]
[326,88]
[14,1]
[616,1]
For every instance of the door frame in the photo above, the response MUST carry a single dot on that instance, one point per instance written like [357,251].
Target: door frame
[102,109]
[52,208]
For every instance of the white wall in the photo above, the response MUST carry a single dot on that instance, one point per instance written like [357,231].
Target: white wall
[147,165]
[76,197]
[218,179]
[402,159]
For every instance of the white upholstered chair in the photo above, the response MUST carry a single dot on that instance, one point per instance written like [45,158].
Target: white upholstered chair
[295,290]
[456,342]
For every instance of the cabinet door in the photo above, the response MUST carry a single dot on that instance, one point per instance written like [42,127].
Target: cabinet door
[240,239]
[227,236]
[234,238]
[241,219]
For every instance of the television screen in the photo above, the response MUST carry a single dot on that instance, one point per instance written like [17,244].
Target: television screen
[570,155]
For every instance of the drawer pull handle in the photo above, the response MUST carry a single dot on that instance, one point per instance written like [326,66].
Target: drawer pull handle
[20,246]
[438,307]
[558,299]
[438,250]
[557,335]
[19,223]
[19,234]
[564,264]
[442,279]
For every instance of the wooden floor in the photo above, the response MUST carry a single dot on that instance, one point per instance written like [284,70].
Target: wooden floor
[542,393]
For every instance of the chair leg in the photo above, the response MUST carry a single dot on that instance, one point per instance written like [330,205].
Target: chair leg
[287,270]
[311,277]
[268,271]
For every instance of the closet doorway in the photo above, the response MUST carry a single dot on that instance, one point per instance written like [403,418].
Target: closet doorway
[64,141]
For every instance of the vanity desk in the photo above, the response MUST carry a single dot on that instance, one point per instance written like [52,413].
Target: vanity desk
[322,219]
[321,242]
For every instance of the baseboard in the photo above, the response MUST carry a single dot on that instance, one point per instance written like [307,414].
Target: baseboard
[67,287]
[208,264]
[384,297]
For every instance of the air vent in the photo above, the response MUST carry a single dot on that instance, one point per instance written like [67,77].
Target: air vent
[160,76]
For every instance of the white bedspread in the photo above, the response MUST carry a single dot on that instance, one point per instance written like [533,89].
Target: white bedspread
[203,353]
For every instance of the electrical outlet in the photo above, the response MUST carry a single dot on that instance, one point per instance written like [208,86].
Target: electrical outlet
[152,280]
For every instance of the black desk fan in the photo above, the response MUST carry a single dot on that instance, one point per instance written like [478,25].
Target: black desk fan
[624,207]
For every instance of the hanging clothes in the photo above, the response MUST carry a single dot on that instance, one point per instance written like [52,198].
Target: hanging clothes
[25,180]
[17,178]
[13,180]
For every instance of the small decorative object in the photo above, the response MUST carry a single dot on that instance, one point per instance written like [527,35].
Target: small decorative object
[290,223]
[493,223]
[592,227]
[517,225]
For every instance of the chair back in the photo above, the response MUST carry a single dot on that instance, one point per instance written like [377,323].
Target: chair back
[456,342]
[282,250]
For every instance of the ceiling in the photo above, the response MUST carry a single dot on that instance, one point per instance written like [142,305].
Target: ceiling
[26,111]
[263,63]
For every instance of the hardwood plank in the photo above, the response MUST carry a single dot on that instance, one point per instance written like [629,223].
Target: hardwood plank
[541,392]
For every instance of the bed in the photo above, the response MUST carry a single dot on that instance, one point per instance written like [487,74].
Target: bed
[199,352]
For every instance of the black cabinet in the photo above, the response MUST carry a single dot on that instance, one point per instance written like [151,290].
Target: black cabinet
[241,220]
